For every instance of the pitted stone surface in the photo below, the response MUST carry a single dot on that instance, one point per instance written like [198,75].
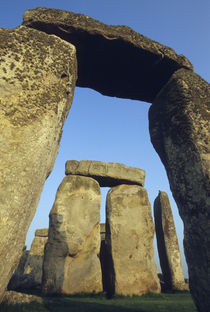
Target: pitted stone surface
[107,174]
[130,268]
[168,246]
[179,129]
[71,264]
[35,98]
[113,60]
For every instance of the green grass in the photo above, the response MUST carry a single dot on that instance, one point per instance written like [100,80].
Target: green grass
[173,302]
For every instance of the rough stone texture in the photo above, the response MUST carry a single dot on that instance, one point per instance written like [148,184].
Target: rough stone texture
[113,60]
[107,174]
[179,129]
[13,297]
[71,263]
[37,78]
[29,271]
[129,240]
[168,246]
[21,265]
[17,276]
[33,266]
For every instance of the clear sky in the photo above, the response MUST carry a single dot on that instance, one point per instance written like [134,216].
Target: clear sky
[116,130]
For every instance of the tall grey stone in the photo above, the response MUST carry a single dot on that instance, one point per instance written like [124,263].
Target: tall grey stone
[167,243]
[71,264]
[37,79]
[179,128]
[129,242]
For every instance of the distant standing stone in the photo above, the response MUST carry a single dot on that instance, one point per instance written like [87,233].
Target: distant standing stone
[168,246]
[34,261]
[71,263]
[129,242]
[29,271]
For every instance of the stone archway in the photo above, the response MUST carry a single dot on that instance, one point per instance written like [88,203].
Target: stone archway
[119,62]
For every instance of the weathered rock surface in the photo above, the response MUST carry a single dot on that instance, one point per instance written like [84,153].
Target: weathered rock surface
[37,78]
[21,265]
[18,276]
[14,297]
[113,60]
[29,271]
[168,246]
[33,266]
[107,174]
[71,263]
[129,240]
[179,129]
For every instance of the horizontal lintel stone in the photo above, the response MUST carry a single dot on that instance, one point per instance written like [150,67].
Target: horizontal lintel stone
[113,60]
[107,174]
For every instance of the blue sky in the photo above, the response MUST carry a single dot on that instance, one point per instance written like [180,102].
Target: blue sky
[116,130]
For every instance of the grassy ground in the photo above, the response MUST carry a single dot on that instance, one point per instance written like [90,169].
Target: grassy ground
[174,302]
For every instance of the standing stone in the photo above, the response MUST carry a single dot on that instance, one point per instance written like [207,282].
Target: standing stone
[29,271]
[18,278]
[37,79]
[33,266]
[21,265]
[167,243]
[129,240]
[179,129]
[71,263]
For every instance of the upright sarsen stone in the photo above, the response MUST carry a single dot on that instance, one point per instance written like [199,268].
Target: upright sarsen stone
[168,246]
[129,242]
[33,266]
[37,79]
[29,271]
[71,263]
[179,129]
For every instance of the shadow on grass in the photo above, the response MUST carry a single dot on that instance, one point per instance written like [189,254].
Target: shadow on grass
[83,303]
[23,307]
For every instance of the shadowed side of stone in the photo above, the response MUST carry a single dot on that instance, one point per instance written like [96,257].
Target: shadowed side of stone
[113,60]
[168,246]
[107,174]
[71,264]
[35,98]
[104,259]
[179,129]
[33,266]
[129,242]
[30,274]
